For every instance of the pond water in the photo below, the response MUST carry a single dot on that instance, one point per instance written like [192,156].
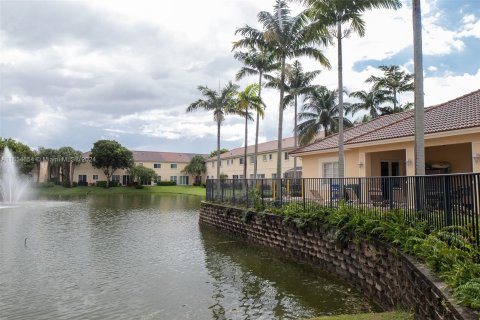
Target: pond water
[146,257]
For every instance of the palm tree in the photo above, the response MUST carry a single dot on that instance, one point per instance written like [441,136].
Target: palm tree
[320,111]
[394,81]
[247,100]
[419,103]
[286,36]
[221,103]
[334,14]
[297,83]
[256,62]
[371,101]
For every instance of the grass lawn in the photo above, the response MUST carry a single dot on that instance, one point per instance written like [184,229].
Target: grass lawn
[61,191]
[370,316]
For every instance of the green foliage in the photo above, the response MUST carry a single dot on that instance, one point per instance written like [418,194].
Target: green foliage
[109,155]
[45,185]
[196,167]
[142,174]
[215,152]
[25,157]
[166,183]
[450,252]
[103,184]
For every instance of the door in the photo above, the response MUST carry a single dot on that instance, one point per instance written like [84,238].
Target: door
[389,169]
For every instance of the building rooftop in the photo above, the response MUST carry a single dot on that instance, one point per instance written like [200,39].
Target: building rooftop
[158,156]
[269,146]
[460,113]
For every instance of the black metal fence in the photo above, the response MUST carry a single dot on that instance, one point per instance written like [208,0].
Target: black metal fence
[442,200]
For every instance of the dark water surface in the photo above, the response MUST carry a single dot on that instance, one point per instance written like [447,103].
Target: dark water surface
[145,257]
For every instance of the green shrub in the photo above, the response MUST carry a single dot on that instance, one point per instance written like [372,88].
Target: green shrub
[166,183]
[45,185]
[103,184]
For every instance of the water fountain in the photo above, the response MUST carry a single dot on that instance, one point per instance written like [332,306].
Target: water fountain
[13,187]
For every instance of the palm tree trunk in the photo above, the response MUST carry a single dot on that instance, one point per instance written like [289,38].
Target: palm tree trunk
[218,149]
[280,129]
[257,126]
[295,142]
[394,100]
[246,146]
[341,152]
[419,103]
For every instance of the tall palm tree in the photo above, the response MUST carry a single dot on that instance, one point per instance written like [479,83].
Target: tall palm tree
[371,101]
[256,62]
[334,14]
[286,36]
[394,81]
[221,103]
[419,103]
[297,83]
[320,111]
[247,100]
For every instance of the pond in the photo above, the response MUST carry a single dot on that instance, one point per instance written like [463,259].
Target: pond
[146,257]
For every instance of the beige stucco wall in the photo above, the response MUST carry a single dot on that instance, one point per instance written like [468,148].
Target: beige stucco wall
[266,167]
[165,172]
[457,149]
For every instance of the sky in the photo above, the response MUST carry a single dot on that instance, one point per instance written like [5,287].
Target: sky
[74,72]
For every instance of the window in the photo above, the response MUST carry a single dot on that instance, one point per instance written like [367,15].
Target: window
[173,166]
[330,169]
[95,177]
[173,178]
[228,162]
[261,176]
[252,159]
[184,180]
[235,176]
[157,165]
[241,160]
[270,156]
[264,157]
[82,178]
[241,176]
[116,177]
[274,176]
[286,155]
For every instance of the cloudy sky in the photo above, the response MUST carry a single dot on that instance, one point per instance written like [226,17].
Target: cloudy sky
[73,72]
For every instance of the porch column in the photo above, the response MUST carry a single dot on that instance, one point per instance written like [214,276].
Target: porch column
[410,160]
[362,168]
[475,152]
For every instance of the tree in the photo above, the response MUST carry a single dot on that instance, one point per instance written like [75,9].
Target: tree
[196,167]
[221,103]
[393,81]
[419,103]
[247,100]
[297,83]
[285,36]
[69,157]
[142,175]
[215,152]
[257,61]
[334,14]
[370,101]
[25,157]
[109,155]
[320,111]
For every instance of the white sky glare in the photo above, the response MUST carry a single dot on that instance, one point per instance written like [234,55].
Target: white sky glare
[75,72]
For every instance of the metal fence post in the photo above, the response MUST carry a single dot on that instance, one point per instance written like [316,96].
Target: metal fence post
[233,190]
[447,202]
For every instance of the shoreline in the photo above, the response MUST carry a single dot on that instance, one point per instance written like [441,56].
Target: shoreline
[84,190]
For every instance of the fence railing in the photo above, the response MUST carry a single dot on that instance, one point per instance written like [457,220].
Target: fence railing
[442,200]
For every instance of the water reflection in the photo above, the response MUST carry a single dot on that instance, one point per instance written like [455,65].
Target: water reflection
[268,286]
[143,256]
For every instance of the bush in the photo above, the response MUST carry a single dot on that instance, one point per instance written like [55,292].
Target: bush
[103,184]
[139,186]
[166,183]
[74,184]
[82,183]
[45,185]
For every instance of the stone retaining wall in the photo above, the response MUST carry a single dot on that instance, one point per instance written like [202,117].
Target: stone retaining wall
[387,276]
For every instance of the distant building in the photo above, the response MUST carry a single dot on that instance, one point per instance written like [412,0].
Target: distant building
[232,161]
[167,165]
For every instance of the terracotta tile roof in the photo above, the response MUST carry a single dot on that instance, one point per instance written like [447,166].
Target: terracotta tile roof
[287,143]
[460,113]
[157,156]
